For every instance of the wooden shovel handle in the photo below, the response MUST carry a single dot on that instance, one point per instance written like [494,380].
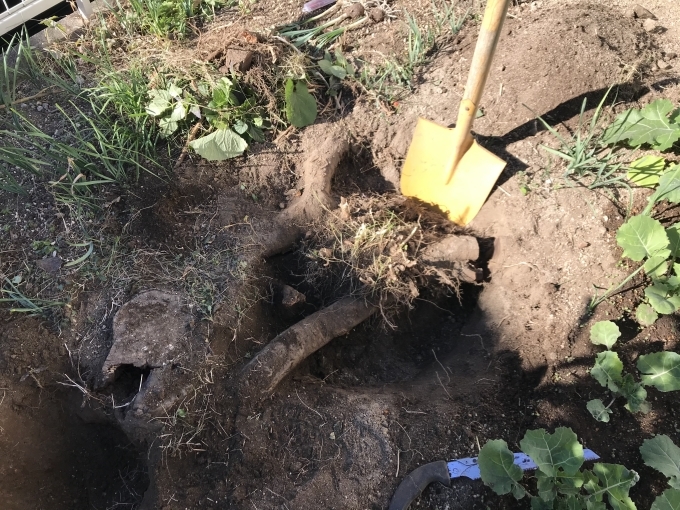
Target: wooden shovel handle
[494,16]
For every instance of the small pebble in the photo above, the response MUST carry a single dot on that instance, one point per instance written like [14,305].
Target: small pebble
[377,14]
[355,11]
[282,205]
[650,25]
[663,65]
[642,13]
[39,108]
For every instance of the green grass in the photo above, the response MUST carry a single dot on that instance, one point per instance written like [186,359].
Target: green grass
[446,17]
[20,303]
[165,18]
[393,78]
[96,154]
[588,158]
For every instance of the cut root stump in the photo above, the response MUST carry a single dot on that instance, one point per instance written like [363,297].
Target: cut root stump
[285,352]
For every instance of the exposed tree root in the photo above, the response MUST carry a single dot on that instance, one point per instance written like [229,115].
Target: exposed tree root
[285,352]
[317,172]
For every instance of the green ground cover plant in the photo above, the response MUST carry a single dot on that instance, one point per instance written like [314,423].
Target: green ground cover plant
[231,111]
[561,480]
[562,483]
[642,237]
[660,370]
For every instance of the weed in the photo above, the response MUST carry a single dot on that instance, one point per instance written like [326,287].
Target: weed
[10,293]
[230,109]
[420,42]
[95,156]
[317,37]
[587,154]
[391,79]
[164,18]
[445,16]
[120,99]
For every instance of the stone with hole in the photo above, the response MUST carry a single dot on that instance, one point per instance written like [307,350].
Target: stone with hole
[147,332]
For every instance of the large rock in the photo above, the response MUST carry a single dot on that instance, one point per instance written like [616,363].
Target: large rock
[147,332]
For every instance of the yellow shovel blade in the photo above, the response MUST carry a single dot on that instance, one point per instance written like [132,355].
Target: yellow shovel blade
[425,170]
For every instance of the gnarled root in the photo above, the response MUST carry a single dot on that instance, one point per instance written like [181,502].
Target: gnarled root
[285,352]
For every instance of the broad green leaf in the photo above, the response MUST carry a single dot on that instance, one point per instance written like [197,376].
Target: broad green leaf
[661,370]
[596,505]
[605,333]
[174,91]
[340,58]
[300,104]
[256,133]
[498,470]
[661,454]
[339,72]
[669,500]
[219,145]
[196,111]
[656,266]
[167,126]
[569,485]
[615,481]
[160,102]
[538,504]
[635,394]
[651,125]
[547,489]
[607,370]
[222,94]
[240,127]
[570,503]
[669,186]
[642,236]
[179,112]
[673,233]
[662,298]
[646,171]
[326,66]
[645,315]
[553,451]
[598,410]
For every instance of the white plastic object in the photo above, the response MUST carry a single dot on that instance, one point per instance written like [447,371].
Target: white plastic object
[316,4]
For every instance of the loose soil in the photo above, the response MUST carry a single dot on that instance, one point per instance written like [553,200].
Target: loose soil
[445,376]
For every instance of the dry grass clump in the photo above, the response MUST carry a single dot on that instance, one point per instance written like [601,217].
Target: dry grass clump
[371,247]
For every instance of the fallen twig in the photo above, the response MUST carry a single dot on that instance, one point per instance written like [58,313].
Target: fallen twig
[185,149]
[44,92]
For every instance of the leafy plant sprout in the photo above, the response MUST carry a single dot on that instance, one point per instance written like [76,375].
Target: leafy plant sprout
[561,481]
[660,370]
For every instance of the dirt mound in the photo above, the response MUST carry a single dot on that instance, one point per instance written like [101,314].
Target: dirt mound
[532,75]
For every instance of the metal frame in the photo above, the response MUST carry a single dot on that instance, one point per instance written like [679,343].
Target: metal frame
[27,10]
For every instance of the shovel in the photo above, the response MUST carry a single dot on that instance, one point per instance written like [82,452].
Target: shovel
[447,167]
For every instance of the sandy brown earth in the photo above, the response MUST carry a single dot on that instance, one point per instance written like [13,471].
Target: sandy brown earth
[511,354]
